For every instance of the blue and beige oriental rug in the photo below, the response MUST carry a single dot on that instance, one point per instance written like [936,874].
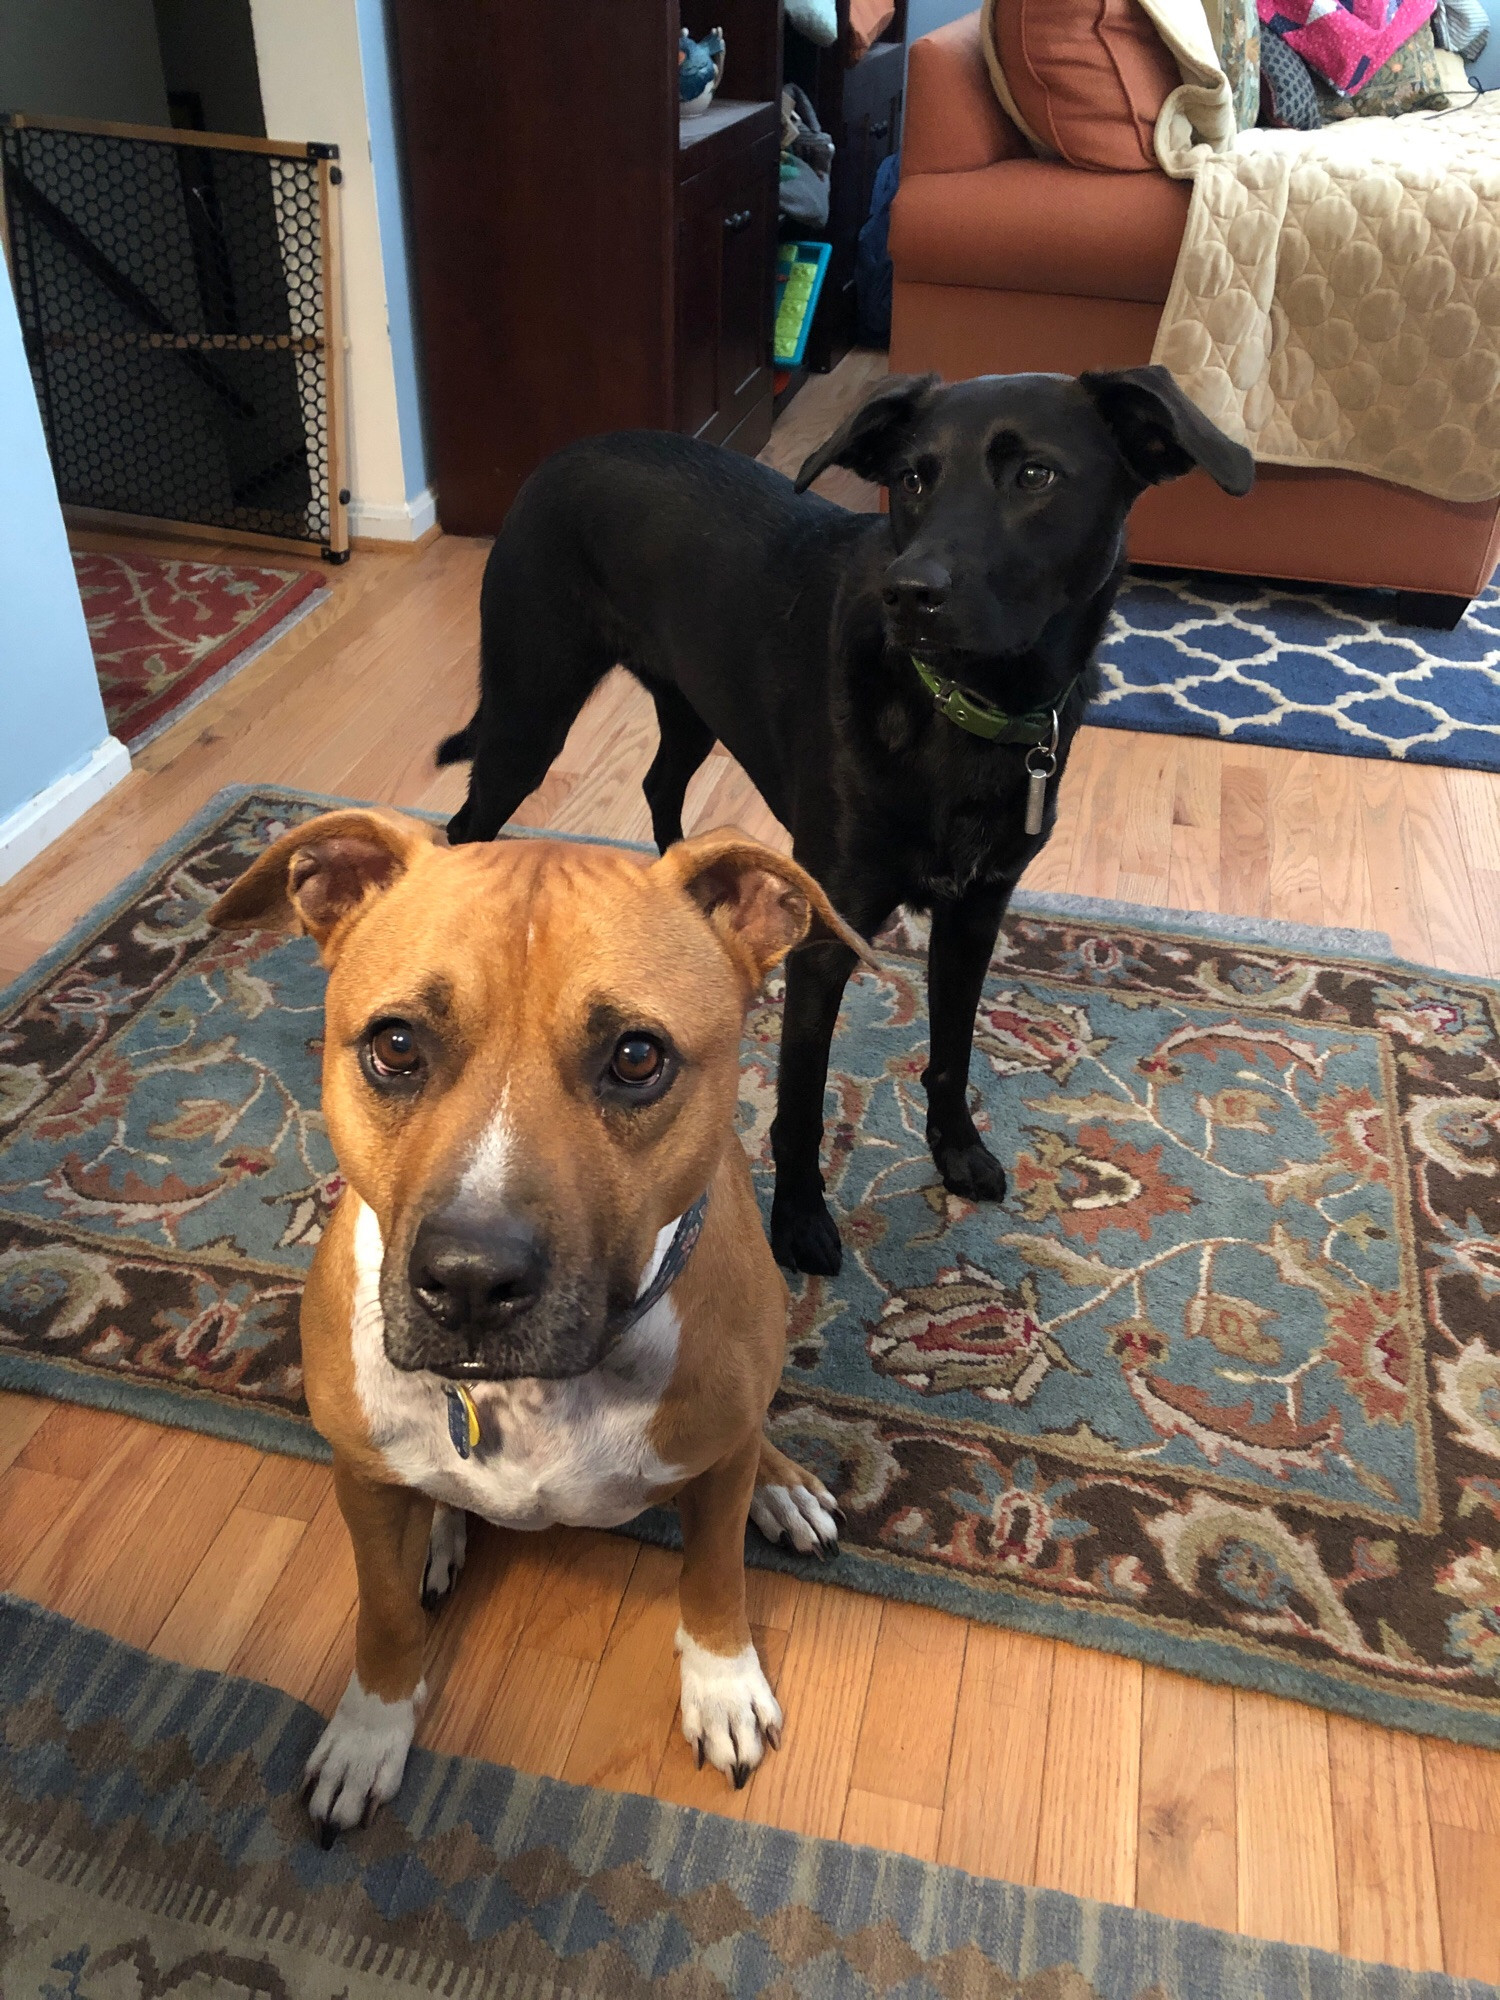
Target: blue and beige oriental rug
[1218,1387]
[153,1846]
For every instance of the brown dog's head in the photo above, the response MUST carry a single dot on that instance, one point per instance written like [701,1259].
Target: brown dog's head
[531,1061]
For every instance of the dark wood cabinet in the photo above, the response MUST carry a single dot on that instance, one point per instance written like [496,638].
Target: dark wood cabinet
[585,260]
[859,107]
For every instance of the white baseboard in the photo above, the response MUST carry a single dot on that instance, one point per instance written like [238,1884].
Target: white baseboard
[378,522]
[35,825]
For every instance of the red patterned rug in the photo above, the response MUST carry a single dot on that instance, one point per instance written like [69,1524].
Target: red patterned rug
[165,631]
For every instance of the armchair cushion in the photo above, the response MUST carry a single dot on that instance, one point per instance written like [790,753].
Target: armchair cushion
[1028,226]
[953,119]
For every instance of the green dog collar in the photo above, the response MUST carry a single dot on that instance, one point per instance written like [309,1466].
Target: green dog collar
[966,711]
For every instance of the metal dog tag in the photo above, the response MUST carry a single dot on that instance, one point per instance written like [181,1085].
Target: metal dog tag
[1037,775]
[1036,798]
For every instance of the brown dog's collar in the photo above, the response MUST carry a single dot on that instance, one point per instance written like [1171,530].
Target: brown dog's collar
[670,1269]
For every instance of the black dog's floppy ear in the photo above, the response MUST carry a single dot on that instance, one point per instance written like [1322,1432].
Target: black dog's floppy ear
[1161,434]
[863,444]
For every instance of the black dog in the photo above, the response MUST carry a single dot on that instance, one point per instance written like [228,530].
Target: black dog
[903,691]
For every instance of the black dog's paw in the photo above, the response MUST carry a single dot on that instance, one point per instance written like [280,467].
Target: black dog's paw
[805,1237]
[971,1171]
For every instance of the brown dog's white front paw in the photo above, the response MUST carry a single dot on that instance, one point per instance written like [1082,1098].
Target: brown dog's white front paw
[729,1713]
[359,1758]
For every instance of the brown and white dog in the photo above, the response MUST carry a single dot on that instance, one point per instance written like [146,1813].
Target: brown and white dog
[546,1296]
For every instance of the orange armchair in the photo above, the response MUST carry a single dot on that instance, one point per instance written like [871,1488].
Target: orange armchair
[1005,263]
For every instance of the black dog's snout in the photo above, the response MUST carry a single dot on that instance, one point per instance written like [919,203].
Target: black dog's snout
[920,586]
[472,1276]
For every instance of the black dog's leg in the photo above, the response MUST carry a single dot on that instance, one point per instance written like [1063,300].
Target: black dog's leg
[804,1235]
[963,943]
[685,741]
[510,760]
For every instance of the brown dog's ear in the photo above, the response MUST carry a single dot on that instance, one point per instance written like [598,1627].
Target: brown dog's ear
[314,877]
[866,442]
[760,902]
[1161,433]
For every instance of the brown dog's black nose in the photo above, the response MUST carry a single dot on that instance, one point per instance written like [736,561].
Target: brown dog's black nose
[921,585]
[472,1276]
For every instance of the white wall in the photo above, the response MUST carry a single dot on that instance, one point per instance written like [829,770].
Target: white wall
[312,87]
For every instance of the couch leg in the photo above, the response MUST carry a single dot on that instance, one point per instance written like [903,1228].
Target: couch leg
[1430,608]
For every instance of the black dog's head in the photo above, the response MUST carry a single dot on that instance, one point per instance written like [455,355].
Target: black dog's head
[1009,493]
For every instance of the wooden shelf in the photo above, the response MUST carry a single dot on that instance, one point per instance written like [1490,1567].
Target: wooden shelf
[728,125]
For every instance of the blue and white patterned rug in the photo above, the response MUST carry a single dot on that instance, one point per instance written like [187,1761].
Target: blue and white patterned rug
[1256,662]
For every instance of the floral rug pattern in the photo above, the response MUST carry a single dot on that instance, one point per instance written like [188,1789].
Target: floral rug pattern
[163,631]
[1217,1386]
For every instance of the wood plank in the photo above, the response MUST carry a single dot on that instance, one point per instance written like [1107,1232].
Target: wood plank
[306,1610]
[1447,892]
[1193,874]
[21,1417]
[536,1711]
[74,1440]
[294,1488]
[907,1729]
[67,1560]
[1288,1869]
[631,1709]
[1397,896]
[154,1552]
[585,1584]
[999,1752]
[30,1502]
[1343,858]
[1463,1785]
[1294,885]
[1467,1867]
[1091,1783]
[1148,775]
[1388,1905]
[479,1629]
[211,1619]
[872,1819]
[824,1679]
[1244,835]
[1187,1866]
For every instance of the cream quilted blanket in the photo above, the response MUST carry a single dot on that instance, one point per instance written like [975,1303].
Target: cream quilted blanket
[1336,299]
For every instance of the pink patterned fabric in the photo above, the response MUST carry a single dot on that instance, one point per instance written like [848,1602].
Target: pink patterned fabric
[163,629]
[1345,40]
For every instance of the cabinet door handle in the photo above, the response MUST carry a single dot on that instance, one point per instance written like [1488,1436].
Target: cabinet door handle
[739,220]
[879,131]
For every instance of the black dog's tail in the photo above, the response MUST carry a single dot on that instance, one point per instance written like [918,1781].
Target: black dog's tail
[454,749]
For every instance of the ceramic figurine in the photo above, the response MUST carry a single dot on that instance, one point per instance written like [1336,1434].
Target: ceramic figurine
[700,70]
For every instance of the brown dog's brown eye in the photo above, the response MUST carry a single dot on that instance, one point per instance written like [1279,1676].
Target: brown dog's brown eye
[1033,477]
[911,482]
[393,1050]
[637,1059]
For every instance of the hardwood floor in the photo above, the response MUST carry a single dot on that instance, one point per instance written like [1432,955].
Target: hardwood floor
[1002,1753]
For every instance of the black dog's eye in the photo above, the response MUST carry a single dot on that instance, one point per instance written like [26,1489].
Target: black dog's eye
[1034,476]
[638,1060]
[910,481]
[392,1051]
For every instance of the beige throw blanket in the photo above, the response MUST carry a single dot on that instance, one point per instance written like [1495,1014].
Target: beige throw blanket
[1337,295]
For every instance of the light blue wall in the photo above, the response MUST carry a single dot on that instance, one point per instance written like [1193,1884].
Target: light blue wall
[922,16]
[385,155]
[53,717]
